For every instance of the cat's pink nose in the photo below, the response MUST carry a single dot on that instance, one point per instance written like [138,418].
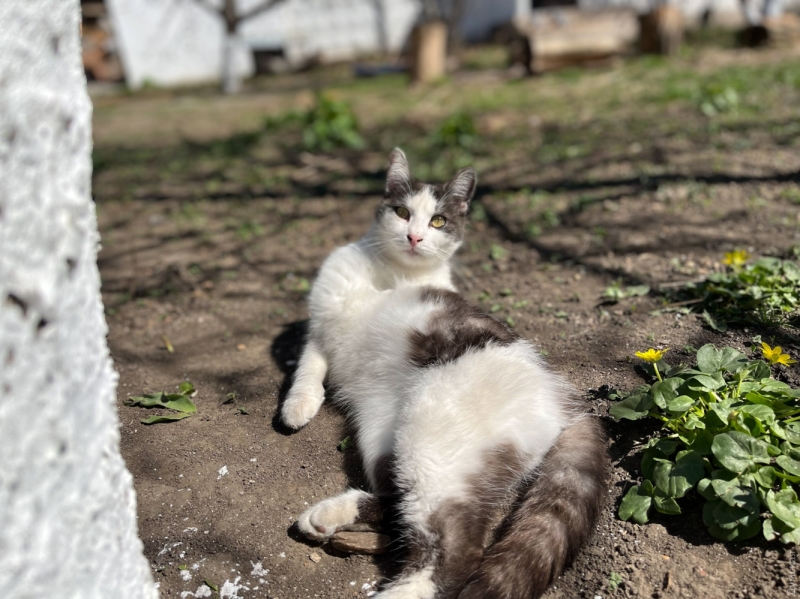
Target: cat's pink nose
[414,240]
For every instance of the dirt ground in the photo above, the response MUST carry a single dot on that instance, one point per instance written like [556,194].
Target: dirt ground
[212,227]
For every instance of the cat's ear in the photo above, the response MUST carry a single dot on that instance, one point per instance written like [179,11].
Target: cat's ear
[460,189]
[398,178]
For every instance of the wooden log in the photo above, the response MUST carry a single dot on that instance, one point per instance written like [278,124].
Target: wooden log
[428,51]
[371,543]
[570,37]
[782,31]
[661,31]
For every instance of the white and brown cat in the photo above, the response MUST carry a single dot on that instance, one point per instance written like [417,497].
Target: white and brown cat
[453,412]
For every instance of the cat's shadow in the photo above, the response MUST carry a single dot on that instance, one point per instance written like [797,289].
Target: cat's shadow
[285,351]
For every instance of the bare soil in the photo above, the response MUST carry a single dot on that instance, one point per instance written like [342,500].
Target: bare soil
[212,229]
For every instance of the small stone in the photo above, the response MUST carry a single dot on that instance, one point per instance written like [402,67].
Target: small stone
[371,543]
[241,347]
[667,580]
[314,557]
[700,572]
[666,558]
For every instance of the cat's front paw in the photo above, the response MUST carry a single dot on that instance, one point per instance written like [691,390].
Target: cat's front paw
[322,520]
[301,406]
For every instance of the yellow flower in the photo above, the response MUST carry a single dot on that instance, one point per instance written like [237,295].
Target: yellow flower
[736,257]
[652,355]
[775,355]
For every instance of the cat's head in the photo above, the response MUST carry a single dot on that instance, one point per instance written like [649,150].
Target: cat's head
[420,224]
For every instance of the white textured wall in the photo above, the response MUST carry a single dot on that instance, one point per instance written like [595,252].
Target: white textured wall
[67,506]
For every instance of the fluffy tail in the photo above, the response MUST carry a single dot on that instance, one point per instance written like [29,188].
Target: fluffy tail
[551,521]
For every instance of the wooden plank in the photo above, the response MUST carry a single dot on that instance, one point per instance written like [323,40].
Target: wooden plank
[562,37]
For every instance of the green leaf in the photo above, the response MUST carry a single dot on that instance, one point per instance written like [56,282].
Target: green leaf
[711,360]
[791,465]
[165,418]
[761,412]
[635,504]
[173,401]
[759,370]
[776,429]
[765,476]
[717,324]
[665,391]
[680,404]
[346,444]
[693,422]
[720,411]
[785,506]
[704,382]
[734,515]
[674,480]
[739,452]
[705,489]
[702,442]
[633,407]
[180,403]
[186,388]
[734,494]
[730,523]
[656,450]
[666,505]
[769,531]
[148,400]
[774,528]
[792,433]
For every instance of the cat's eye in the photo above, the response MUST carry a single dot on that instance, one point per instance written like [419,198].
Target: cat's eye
[437,222]
[402,212]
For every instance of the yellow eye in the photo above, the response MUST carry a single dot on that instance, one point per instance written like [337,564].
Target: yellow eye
[402,212]
[437,222]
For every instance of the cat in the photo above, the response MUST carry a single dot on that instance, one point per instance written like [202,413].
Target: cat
[453,412]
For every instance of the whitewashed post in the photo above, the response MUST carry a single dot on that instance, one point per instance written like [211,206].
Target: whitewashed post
[67,505]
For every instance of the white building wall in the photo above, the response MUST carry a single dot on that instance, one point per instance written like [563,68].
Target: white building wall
[67,505]
[178,42]
[171,42]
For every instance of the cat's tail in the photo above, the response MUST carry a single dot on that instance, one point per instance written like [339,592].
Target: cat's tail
[551,521]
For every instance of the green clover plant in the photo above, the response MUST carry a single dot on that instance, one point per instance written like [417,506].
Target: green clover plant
[764,292]
[730,435]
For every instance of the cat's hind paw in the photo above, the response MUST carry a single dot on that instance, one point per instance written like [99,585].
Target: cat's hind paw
[322,520]
[301,406]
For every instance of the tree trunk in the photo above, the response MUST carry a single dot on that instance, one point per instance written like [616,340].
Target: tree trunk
[67,504]
[428,52]
[231,81]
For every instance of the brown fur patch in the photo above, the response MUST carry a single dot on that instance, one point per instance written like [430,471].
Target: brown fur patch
[371,510]
[385,476]
[458,530]
[463,527]
[552,520]
[453,330]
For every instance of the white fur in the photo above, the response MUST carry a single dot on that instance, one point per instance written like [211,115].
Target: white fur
[417,585]
[439,422]
[346,289]
[323,519]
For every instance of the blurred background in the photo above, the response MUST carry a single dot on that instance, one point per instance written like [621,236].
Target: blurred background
[622,148]
[201,105]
